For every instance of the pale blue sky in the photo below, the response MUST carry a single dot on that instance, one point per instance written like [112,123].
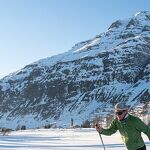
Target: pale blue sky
[34,29]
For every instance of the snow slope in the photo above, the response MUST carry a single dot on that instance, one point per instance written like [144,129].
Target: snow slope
[61,139]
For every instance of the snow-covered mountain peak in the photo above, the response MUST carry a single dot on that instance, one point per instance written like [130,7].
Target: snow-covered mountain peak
[94,75]
[116,33]
[142,15]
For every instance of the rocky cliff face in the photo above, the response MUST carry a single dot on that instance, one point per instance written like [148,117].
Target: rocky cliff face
[92,76]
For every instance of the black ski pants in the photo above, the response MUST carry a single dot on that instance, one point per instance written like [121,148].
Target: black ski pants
[142,148]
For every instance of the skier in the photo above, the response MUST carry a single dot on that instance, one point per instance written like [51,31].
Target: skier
[129,126]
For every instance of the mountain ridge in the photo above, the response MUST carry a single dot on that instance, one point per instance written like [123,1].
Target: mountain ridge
[91,77]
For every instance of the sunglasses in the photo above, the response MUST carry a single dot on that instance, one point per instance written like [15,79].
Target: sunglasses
[119,112]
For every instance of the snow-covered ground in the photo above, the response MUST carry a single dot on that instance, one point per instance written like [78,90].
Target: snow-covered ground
[61,139]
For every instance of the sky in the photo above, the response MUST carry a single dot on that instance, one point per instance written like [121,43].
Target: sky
[31,30]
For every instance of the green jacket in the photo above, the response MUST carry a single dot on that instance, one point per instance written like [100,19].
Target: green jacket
[130,131]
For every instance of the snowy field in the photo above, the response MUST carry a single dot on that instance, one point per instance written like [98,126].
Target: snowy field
[61,139]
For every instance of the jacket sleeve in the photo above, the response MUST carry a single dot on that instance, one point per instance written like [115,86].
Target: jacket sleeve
[111,129]
[141,126]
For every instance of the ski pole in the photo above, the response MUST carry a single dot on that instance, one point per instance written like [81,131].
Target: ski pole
[102,141]
[101,138]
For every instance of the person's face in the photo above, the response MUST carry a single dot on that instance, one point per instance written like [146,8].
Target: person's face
[120,114]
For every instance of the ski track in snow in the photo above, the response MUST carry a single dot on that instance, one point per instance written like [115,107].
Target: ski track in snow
[61,139]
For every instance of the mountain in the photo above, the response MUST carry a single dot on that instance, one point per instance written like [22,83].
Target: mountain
[91,77]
